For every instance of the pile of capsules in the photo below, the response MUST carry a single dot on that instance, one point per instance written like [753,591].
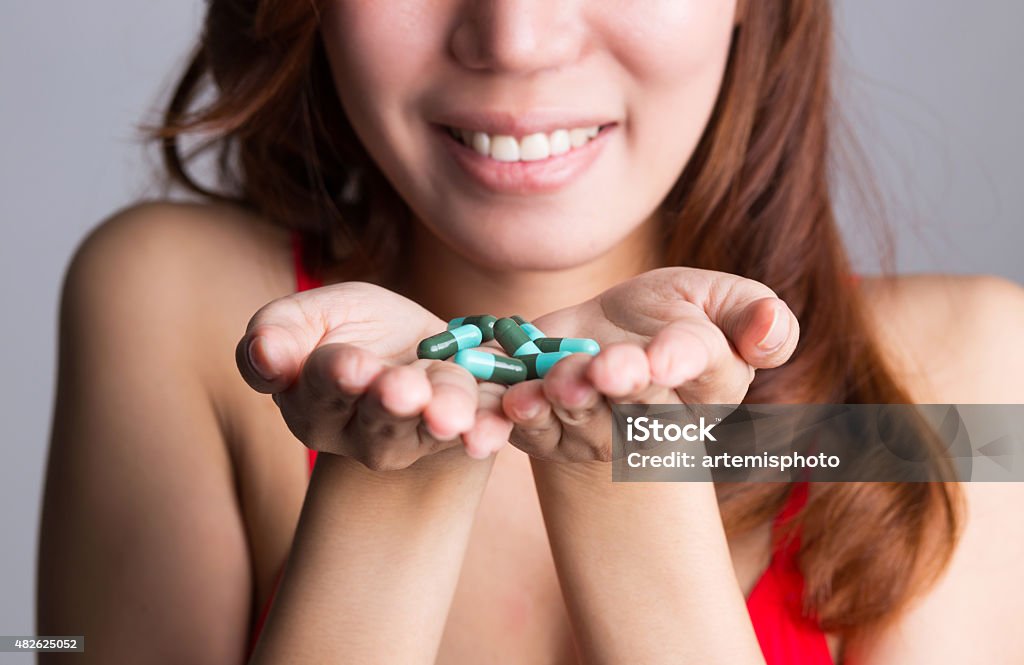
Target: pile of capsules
[532,353]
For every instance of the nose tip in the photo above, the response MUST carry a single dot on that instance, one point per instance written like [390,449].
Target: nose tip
[517,36]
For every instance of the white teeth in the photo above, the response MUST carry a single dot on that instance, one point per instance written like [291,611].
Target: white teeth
[559,141]
[482,143]
[532,147]
[504,149]
[578,137]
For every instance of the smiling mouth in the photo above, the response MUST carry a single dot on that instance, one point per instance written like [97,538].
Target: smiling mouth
[529,148]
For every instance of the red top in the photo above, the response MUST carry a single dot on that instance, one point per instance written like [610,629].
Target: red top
[786,637]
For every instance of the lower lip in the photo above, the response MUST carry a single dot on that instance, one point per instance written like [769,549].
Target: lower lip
[543,175]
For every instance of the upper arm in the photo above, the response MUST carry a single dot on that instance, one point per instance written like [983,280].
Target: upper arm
[141,548]
[973,611]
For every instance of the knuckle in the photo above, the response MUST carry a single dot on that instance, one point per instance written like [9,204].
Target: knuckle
[579,417]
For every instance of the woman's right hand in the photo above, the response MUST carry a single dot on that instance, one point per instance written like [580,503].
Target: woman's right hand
[340,362]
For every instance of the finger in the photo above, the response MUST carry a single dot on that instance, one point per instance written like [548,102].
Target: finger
[579,407]
[282,333]
[697,351]
[385,434]
[622,373]
[670,355]
[452,409]
[337,374]
[554,417]
[278,338]
[322,400]
[537,429]
[763,329]
[491,428]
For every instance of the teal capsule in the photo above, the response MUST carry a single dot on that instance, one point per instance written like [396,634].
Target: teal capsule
[570,344]
[513,339]
[537,365]
[531,330]
[489,367]
[446,344]
[485,322]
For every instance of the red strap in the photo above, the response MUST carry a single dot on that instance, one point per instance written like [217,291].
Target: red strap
[303,280]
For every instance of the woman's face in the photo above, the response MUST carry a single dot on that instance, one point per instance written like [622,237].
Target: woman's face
[574,118]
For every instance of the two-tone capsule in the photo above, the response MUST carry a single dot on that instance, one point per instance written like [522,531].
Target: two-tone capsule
[538,364]
[490,367]
[446,344]
[513,338]
[531,330]
[570,344]
[485,322]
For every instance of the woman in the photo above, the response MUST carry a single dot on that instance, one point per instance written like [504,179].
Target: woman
[562,161]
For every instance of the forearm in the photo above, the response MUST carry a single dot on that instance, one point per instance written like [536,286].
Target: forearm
[375,561]
[644,567]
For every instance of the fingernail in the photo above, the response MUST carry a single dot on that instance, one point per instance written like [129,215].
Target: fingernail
[777,333]
[263,371]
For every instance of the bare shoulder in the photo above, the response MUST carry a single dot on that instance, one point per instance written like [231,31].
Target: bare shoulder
[952,338]
[956,339]
[203,243]
[203,269]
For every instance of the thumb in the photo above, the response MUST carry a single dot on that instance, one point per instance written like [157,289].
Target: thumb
[277,342]
[764,331]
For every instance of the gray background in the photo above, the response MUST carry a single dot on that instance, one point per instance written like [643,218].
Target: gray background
[932,87]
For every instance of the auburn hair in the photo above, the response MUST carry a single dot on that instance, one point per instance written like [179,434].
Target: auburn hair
[753,200]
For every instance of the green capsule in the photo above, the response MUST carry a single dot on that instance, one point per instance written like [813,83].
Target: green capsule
[489,367]
[531,330]
[446,344]
[485,322]
[513,339]
[538,364]
[570,344]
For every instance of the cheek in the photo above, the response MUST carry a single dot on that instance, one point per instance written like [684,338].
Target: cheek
[378,52]
[370,41]
[673,55]
[670,39]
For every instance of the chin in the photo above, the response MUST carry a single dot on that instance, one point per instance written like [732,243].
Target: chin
[527,252]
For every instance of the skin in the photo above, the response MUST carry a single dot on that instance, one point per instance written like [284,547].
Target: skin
[183,503]
[191,473]
[208,546]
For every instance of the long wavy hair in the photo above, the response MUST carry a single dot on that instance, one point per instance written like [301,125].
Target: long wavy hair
[753,200]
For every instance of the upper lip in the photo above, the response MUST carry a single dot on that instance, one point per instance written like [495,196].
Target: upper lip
[509,123]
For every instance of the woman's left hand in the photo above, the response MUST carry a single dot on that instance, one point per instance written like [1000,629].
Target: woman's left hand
[672,335]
